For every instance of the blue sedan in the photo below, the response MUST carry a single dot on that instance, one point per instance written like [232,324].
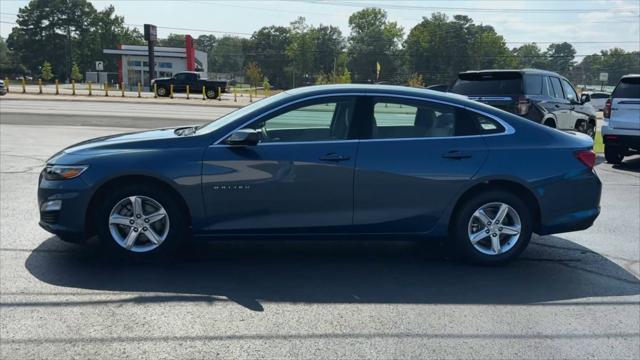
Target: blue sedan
[343,160]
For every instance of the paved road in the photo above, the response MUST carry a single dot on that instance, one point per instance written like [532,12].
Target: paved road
[110,114]
[574,295]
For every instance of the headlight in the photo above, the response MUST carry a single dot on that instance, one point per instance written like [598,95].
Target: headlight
[62,172]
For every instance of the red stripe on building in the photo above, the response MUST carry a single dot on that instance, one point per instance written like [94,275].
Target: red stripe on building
[191,53]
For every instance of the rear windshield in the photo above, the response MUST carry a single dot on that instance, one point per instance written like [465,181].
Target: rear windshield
[628,88]
[500,83]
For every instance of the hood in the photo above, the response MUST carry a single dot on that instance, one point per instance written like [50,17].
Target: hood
[106,145]
[164,78]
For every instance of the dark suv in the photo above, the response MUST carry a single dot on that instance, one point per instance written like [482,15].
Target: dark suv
[542,96]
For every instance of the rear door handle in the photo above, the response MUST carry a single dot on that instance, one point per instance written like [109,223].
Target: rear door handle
[456,155]
[334,157]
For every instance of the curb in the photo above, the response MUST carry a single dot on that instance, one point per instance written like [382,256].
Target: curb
[97,99]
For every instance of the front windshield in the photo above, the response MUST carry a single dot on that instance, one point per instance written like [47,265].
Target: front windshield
[233,116]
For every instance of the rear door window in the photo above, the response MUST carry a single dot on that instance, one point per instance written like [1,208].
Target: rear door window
[628,88]
[557,88]
[498,83]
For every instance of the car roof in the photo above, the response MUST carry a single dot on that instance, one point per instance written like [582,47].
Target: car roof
[522,71]
[377,89]
[630,76]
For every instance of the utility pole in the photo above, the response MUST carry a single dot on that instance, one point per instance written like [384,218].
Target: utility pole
[151,35]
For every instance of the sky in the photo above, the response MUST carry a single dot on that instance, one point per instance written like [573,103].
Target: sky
[590,25]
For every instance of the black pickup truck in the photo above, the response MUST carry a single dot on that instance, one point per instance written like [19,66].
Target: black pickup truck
[193,80]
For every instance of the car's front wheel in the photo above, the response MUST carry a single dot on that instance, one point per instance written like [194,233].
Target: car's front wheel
[140,221]
[492,227]
[211,93]
[162,91]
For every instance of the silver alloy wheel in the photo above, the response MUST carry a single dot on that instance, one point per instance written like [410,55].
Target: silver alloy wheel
[211,93]
[139,223]
[494,228]
[162,91]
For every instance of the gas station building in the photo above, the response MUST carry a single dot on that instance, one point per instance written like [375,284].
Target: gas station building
[133,65]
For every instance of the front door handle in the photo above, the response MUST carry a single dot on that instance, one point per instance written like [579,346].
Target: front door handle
[334,157]
[456,155]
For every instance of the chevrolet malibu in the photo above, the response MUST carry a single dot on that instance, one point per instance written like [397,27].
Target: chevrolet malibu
[352,161]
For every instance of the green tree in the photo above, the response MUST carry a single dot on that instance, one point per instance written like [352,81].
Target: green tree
[616,62]
[373,40]
[530,56]
[439,48]
[173,40]
[46,71]
[8,64]
[561,57]
[268,49]
[227,55]
[75,73]
[206,43]
[254,74]
[67,31]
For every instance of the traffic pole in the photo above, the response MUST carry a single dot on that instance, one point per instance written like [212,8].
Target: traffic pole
[6,83]
[106,89]
[171,91]
[219,94]
[187,92]
[139,89]
[122,89]
[89,88]
[250,96]
[73,87]
[203,93]
[155,90]
[24,86]
[235,95]
[57,87]
[39,86]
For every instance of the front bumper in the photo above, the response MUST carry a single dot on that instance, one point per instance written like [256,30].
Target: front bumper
[68,222]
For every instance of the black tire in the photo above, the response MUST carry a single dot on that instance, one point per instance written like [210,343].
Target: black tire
[177,235]
[613,154]
[550,123]
[459,231]
[162,91]
[211,93]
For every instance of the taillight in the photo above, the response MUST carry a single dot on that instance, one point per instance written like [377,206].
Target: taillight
[523,105]
[587,157]
[606,113]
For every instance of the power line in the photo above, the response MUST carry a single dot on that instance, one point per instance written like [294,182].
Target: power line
[445,8]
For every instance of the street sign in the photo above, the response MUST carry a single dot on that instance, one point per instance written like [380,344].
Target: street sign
[150,32]
[99,66]
[604,76]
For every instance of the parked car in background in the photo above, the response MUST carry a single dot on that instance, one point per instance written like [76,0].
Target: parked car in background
[597,99]
[429,165]
[621,126]
[3,90]
[542,96]
[193,79]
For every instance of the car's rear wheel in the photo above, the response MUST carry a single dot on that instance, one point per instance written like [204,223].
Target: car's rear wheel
[211,93]
[613,154]
[161,91]
[492,227]
[140,222]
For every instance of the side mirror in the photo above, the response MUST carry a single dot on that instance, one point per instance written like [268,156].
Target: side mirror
[244,137]
[585,98]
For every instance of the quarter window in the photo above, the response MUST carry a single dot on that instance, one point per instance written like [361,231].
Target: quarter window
[311,122]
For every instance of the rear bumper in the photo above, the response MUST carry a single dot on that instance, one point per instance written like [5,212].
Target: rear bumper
[572,204]
[621,138]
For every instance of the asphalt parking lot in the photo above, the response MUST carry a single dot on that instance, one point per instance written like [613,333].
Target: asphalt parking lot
[574,295]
